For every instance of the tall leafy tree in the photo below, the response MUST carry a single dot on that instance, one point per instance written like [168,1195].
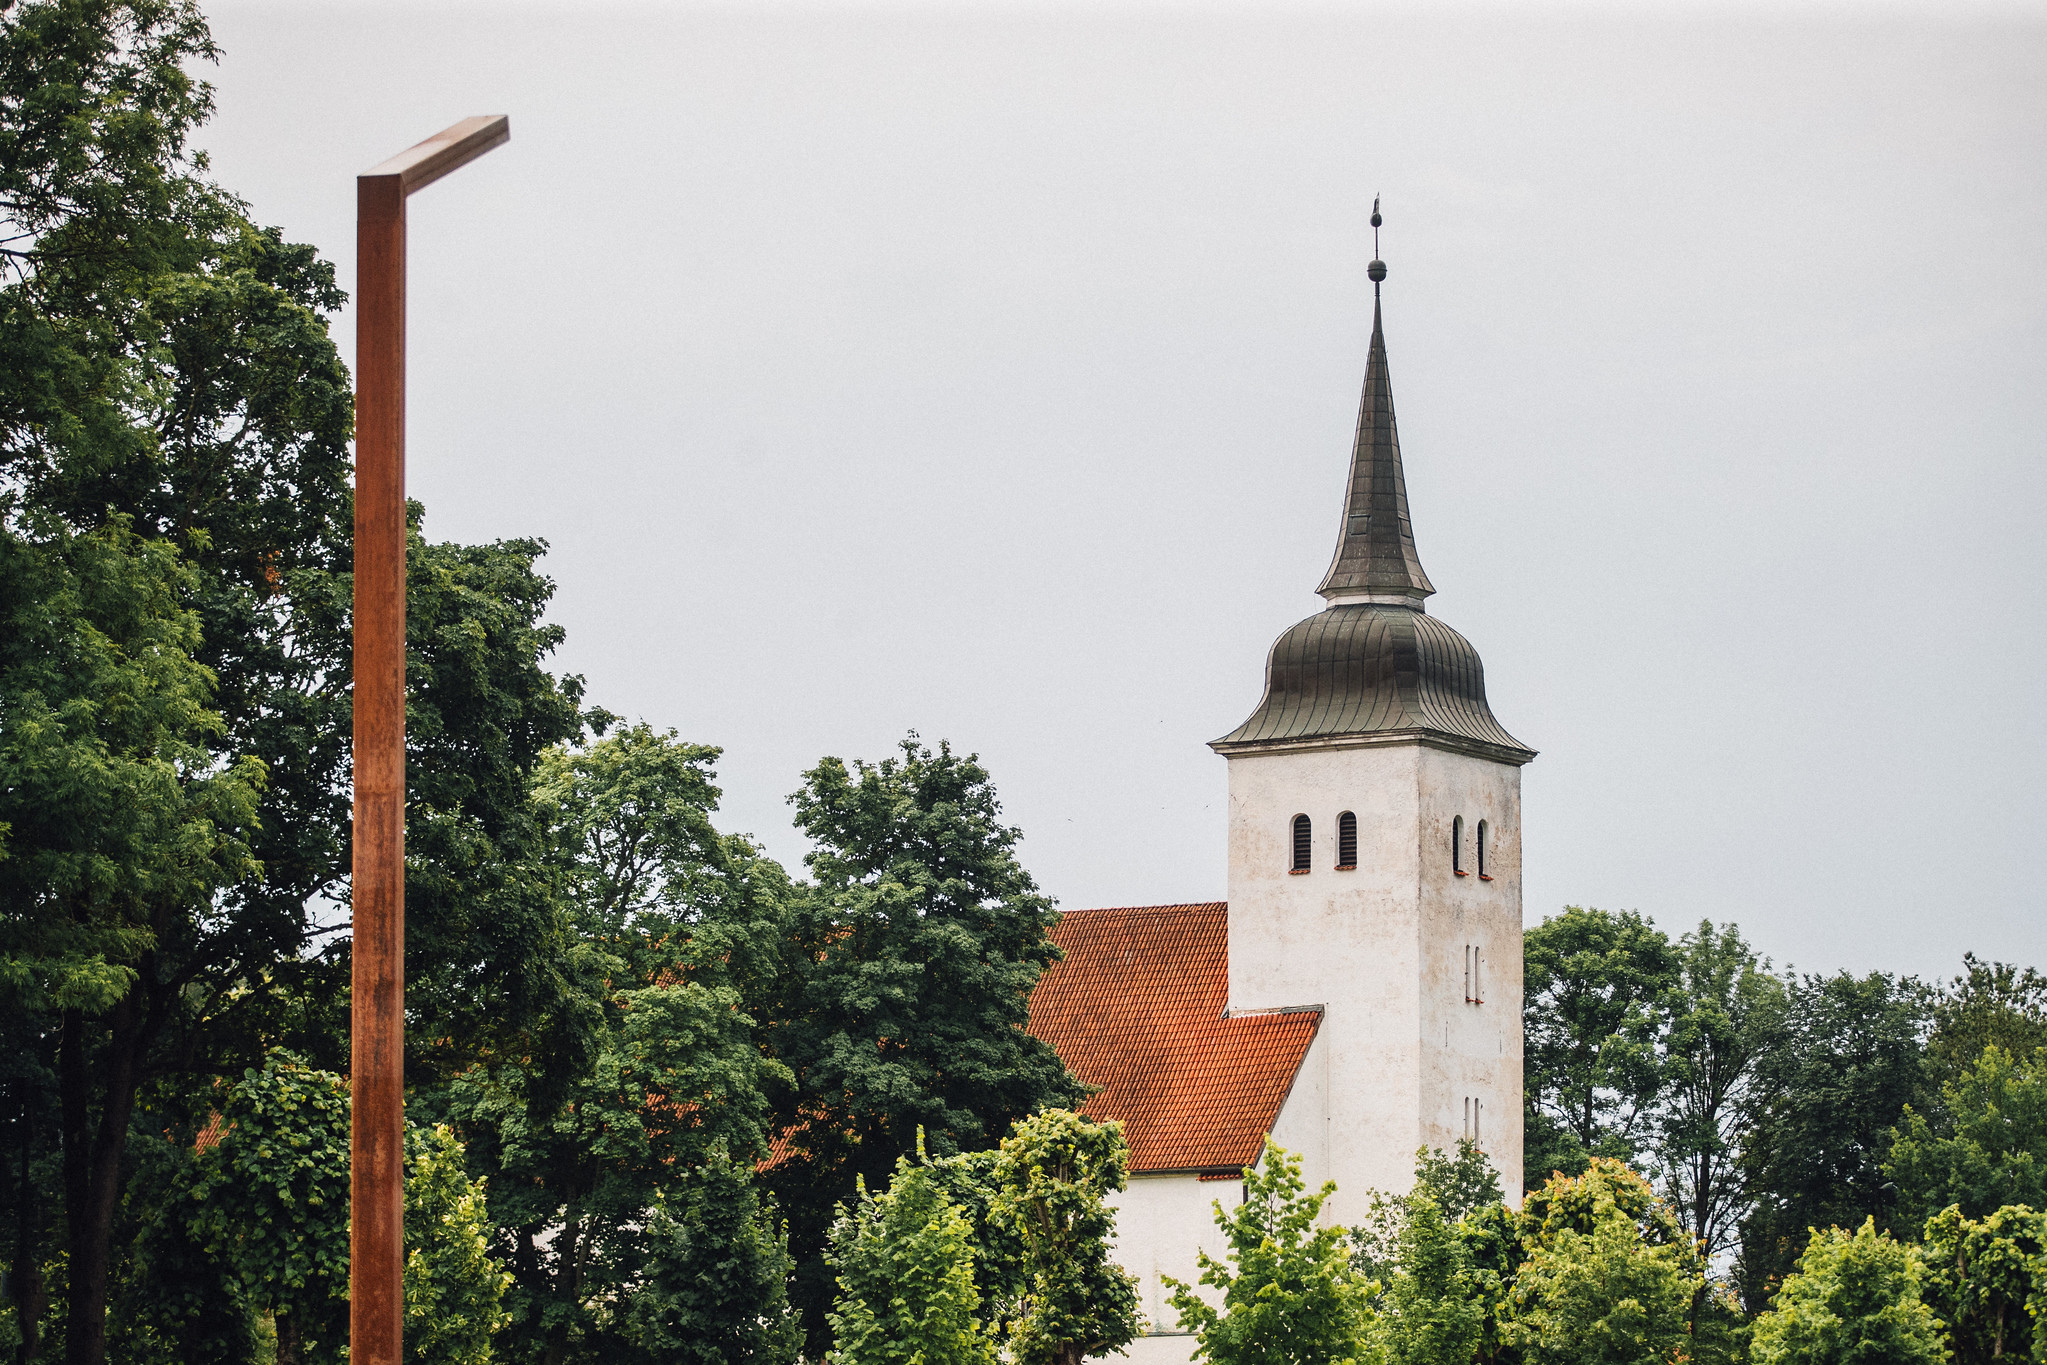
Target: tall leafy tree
[716,1284]
[1607,1275]
[1989,1003]
[1433,1310]
[586,1147]
[1458,1182]
[165,368]
[1987,1280]
[1290,1295]
[902,1005]
[1848,1060]
[905,1263]
[122,833]
[1052,1178]
[1987,1145]
[1726,1013]
[1853,1297]
[265,1207]
[1596,997]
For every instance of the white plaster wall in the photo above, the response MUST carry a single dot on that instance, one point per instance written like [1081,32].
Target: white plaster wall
[1303,1123]
[1480,1058]
[1381,948]
[1162,1222]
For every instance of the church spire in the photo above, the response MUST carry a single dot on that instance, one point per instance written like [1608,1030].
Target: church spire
[1375,558]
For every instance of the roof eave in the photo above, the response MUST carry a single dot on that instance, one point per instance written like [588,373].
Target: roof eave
[1432,739]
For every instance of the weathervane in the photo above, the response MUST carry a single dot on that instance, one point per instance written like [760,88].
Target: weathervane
[1377,269]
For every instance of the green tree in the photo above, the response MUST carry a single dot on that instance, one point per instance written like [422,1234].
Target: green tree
[1987,1279]
[1433,1310]
[1990,1148]
[584,1147]
[1854,1297]
[122,830]
[1290,1295]
[166,368]
[270,1205]
[454,1290]
[1608,1275]
[267,1204]
[1846,1063]
[905,1263]
[1595,999]
[716,1279]
[1460,1182]
[1725,1014]
[902,1002]
[1991,1002]
[1051,1180]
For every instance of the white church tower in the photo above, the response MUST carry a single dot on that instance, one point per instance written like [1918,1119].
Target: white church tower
[1375,854]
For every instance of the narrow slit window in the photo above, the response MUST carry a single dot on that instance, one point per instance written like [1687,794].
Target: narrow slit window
[1481,851]
[1304,842]
[1457,845]
[1346,841]
[1467,974]
[1477,976]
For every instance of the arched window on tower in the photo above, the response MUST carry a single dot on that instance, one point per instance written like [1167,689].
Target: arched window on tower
[1347,842]
[1482,874]
[1457,847]
[1304,843]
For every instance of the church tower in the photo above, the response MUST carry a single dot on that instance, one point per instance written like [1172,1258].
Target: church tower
[1375,851]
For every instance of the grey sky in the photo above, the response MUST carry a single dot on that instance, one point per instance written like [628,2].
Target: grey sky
[991,372]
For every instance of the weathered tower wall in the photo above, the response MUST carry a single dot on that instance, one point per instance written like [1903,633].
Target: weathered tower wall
[1417,1052]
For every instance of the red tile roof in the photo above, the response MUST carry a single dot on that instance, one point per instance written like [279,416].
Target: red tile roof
[1137,1009]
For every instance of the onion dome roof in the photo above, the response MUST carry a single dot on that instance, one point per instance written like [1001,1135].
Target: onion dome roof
[1374,671]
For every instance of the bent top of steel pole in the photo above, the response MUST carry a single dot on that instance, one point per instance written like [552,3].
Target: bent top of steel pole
[376,1216]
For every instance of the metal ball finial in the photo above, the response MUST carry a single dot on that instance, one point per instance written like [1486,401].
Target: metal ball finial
[1377,269]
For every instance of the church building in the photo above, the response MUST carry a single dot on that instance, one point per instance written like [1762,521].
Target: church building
[1359,994]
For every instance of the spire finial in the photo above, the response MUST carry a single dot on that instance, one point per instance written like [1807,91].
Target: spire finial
[1377,269]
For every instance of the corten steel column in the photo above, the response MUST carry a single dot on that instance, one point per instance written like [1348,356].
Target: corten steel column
[376,1212]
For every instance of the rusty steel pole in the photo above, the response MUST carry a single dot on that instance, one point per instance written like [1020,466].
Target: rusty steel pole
[376,1201]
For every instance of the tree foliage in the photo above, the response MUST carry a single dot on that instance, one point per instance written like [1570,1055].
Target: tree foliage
[1847,1062]
[716,1283]
[901,1005]
[1987,1280]
[1289,1293]
[905,1263]
[1433,1310]
[1984,1147]
[1853,1298]
[1595,996]
[1607,1277]
[1050,1182]
[585,1146]
[1989,1003]
[1725,1014]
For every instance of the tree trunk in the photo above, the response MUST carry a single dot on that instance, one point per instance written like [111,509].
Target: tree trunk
[26,1277]
[92,1167]
[290,1347]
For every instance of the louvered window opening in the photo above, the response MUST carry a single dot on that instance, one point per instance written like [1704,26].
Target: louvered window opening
[1346,841]
[1304,842]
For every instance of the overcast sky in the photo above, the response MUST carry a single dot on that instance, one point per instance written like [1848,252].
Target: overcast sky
[991,372]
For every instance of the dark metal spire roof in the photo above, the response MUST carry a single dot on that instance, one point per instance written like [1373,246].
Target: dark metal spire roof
[1373,667]
[1375,559]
